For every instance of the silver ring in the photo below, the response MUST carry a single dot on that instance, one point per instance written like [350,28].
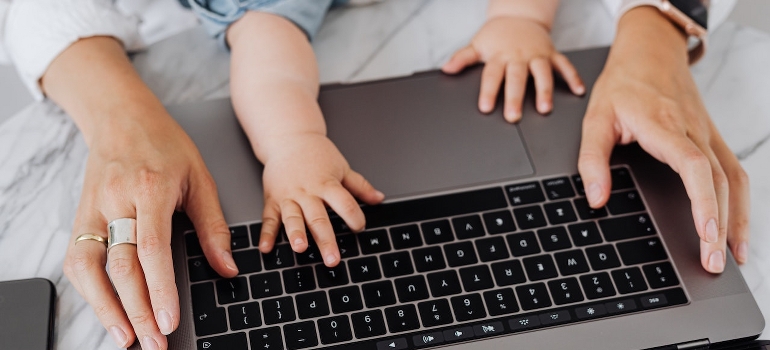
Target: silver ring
[121,231]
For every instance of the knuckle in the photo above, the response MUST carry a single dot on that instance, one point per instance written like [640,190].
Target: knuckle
[319,222]
[149,181]
[150,245]
[80,261]
[140,318]
[121,267]
[739,177]
[101,311]
[697,160]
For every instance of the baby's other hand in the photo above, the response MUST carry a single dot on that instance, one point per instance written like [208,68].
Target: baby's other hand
[300,178]
[511,48]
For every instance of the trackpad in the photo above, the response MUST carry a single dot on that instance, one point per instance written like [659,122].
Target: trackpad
[423,134]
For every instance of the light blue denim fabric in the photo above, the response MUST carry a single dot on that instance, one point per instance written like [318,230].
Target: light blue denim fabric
[217,15]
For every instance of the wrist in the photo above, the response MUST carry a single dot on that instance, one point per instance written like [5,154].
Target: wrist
[645,32]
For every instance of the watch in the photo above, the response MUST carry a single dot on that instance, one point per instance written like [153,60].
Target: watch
[691,16]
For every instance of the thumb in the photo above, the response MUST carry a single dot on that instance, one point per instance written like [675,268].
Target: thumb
[461,59]
[597,141]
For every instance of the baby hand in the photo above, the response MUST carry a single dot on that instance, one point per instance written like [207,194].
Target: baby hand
[513,47]
[302,176]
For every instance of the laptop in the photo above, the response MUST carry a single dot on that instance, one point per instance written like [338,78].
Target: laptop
[485,240]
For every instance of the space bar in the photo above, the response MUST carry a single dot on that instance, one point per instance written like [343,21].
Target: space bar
[434,207]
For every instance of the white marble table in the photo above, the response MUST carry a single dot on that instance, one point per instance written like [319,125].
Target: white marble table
[42,155]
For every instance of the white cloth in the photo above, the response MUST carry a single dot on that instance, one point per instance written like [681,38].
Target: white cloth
[34,32]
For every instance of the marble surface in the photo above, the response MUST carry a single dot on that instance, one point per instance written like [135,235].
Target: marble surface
[42,155]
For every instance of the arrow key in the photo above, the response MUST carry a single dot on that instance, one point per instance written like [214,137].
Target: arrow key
[266,339]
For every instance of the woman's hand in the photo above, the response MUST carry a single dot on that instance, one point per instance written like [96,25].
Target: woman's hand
[300,177]
[512,48]
[646,94]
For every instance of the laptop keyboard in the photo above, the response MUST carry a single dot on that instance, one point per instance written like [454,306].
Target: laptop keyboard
[440,270]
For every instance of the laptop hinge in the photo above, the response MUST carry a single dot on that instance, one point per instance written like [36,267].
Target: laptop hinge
[701,344]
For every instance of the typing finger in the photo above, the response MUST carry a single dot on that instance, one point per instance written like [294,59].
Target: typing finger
[543,76]
[291,215]
[491,78]
[598,140]
[318,222]
[343,203]
[361,188]
[461,59]
[739,208]
[713,252]
[516,75]
[271,224]
[567,71]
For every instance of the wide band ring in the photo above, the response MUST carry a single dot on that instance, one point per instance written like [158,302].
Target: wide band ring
[91,237]
[121,231]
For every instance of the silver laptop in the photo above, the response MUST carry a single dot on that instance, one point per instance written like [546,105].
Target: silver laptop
[485,240]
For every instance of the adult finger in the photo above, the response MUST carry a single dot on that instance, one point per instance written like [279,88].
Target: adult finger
[271,224]
[360,187]
[713,252]
[461,59]
[202,207]
[543,76]
[596,144]
[516,74]
[739,208]
[317,220]
[291,215]
[343,203]
[84,266]
[491,78]
[153,219]
[567,71]
[128,278]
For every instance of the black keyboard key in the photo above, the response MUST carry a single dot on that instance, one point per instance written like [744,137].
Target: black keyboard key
[232,290]
[499,222]
[578,182]
[533,296]
[523,243]
[396,264]
[437,232]
[428,259]
[239,237]
[210,321]
[526,322]
[529,217]
[256,231]
[555,317]
[244,316]
[338,224]
[629,280]
[300,335]
[642,251]
[540,267]
[603,257]
[368,324]
[202,296]
[621,178]
[247,261]
[554,238]
[193,246]
[278,310]
[281,256]
[653,301]
[616,307]
[468,307]
[625,202]
[411,288]
[239,231]
[331,276]
[364,269]
[345,299]
[200,270]
[585,212]
[375,241]
[402,318]
[265,285]
[590,311]
[491,249]
[660,275]
[527,193]
[299,280]
[407,236]
[266,339]
[468,227]
[334,329]
[313,304]
[347,246]
[444,283]
[565,291]
[435,313]
[571,262]
[235,341]
[378,294]
[558,188]
[311,255]
[625,227]
[501,302]
[560,212]
[585,233]
[508,273]
[460,254]
[476,278]
[597,285]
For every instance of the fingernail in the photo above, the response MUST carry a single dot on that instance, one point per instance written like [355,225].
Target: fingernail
[594,192]
[486,107]
[545,107]
[580,90]
[717,261]
[229,262]
[149,344]
[118,336]
[330,259]
[712,232]
[164,322]
[379,194]
[743,252]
